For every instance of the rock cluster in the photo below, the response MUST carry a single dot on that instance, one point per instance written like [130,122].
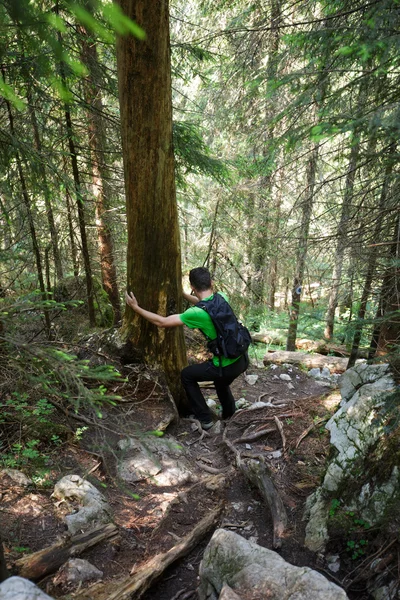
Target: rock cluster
[233,567]
[354,430]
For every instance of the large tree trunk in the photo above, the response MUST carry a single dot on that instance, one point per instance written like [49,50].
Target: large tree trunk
[100,175]
[153,258]
[302,249]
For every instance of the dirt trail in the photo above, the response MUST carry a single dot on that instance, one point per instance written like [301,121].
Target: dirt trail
[295,452]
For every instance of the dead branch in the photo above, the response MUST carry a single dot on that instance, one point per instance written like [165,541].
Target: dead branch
[258,473]
[46,561]
[280,428]
[143,577]
[309,429]
[211,470]
[253,436]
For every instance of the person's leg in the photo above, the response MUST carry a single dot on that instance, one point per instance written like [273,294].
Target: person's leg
[223,382]
[190,377]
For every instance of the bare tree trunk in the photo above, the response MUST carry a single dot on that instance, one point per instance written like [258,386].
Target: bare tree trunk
[153,258]
[389,331]
[46,191]
[27,203]
[275,235]
[211,249]
[79,201]
[342,240]
[263,238]
[71,234]
[302,250]
[100,175]
[3,567]
[371,265]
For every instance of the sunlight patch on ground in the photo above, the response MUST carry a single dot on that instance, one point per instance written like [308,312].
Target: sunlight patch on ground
[331,402]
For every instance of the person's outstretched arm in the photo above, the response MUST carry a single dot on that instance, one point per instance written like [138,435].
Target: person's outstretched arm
[190,298]
[171,321]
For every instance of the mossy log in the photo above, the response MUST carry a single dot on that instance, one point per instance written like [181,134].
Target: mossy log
[46,561]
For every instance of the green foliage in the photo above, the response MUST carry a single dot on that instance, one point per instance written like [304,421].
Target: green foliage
[192,154]
[346,525]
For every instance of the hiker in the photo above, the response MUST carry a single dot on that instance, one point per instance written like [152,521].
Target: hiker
[220,369]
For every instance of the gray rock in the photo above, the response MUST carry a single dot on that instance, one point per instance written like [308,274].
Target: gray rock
[76,571]
[18,476]
[315,372]
[227,593]
[18,588]
[325,372]
[251,379]
[285,377]
[95,509]
[161,459]
[231,560]
[242,403]
[333,562]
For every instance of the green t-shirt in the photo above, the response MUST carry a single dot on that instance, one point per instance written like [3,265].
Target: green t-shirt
[198,318]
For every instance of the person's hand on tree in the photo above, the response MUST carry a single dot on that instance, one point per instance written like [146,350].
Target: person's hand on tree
[131,301]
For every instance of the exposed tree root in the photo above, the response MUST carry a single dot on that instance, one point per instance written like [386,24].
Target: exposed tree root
[258,473]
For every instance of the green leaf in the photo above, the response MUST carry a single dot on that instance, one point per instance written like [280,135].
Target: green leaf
[76,66]
[56,22]
[345,51]
[156,433]
[121,24]
[84,17]
[60,89]
[8,93]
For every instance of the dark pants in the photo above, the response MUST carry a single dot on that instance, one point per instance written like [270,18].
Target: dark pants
[222,379]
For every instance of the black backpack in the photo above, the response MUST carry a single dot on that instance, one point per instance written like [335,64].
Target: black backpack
[233,338]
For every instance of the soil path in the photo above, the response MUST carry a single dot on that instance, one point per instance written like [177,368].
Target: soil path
[150,518]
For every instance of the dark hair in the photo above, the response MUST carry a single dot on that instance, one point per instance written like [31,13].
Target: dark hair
[200,279]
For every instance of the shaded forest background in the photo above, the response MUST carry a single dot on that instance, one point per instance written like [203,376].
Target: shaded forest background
[286,128]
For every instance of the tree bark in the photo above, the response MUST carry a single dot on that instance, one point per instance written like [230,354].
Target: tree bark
[4,574]
[71,233]
[27,203]
[302,249]
[373,254]
[342,240]
[262,241]
[153,257]
[388,339]
[100,174]
[46,191]
[79,201]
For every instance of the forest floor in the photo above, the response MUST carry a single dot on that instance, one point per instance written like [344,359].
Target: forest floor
[30,519]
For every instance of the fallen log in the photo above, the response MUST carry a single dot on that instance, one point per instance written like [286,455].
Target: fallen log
[258,473]
[141,578]
[266,338]
[38,565]
[335,364]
